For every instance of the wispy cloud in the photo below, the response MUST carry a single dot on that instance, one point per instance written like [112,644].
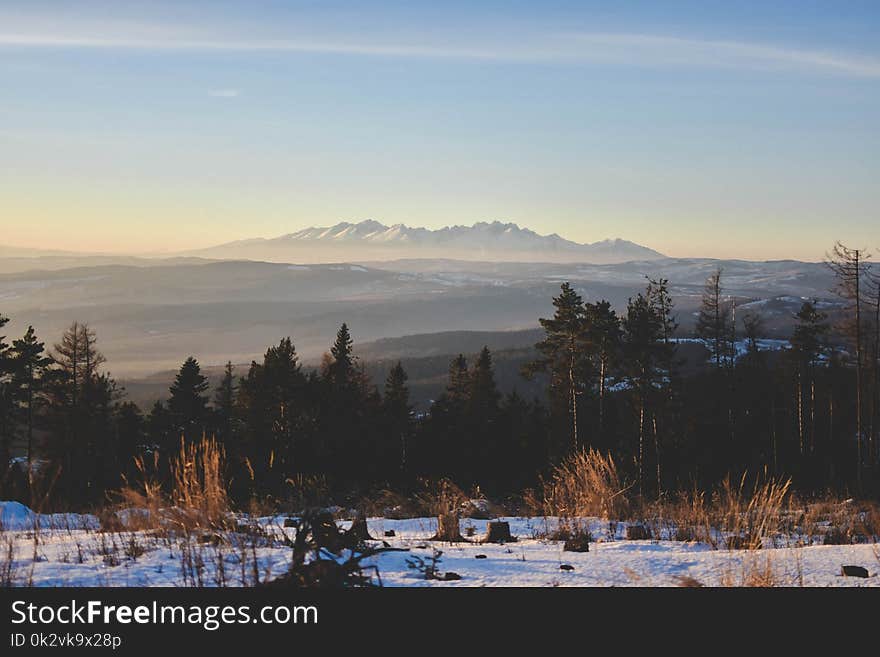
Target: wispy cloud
[646,50]
[225,93]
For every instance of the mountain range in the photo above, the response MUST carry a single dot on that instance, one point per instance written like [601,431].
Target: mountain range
[373,241]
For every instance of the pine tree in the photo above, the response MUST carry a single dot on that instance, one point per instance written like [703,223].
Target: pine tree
[458,383]
[603,327]
[130,436]
[29,365]
[6,402]
[483,394]
[341,368]
[188,402]
[224,402]
[713,320]
[644,353]
[807,344]
[398,411]
[565,354]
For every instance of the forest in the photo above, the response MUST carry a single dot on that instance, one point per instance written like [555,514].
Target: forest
[69,438]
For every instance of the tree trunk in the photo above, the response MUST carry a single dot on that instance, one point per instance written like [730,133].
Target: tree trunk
[657,454]
[359,529]
[573,401]
[812,447]
[858,376]
[800,412]
[447,528]
[641,447]
[498,532]
[602,367]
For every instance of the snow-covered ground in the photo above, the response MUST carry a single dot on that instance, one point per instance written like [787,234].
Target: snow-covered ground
[68,550]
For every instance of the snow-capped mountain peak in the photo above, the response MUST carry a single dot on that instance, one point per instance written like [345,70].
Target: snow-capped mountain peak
[495,240]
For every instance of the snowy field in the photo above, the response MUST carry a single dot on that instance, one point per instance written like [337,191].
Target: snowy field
[69,550]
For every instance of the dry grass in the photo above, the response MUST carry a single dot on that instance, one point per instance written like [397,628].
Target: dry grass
[198,484]
[198,497]
[585,484]
[689,518]
[747,517]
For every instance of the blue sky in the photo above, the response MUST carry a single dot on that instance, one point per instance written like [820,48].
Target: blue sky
[700,129]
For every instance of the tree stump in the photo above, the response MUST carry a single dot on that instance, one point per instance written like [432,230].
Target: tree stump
[579,543]
[637,533]
[447,528]
[359,529]
[498,532]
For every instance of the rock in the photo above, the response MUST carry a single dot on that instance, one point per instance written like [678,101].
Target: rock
[637,533]
[566,566]
[580,543]
[498,532]
[389,533]
[479,556]
[450,577]
[853,571]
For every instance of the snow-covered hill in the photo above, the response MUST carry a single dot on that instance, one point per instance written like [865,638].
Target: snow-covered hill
[370,239]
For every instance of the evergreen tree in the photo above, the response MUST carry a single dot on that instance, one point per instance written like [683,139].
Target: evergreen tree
[603,328]
[130,436]
[458,384]
[398,412]
[483,460]
[483,394]
[340,371]
[188,401]
[807,345]
[29,364]
[224,403]
[6,404]
[643,349]
[565,354]
[713,321]
[159,427]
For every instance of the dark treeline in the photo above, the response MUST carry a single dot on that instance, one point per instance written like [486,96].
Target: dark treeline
[614,383]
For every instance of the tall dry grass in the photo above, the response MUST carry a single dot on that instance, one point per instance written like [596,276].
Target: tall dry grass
[585,484]
[197,498]
[747,515]
[198,484]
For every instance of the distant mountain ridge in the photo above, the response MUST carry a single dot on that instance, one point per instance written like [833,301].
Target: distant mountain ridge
[372,240]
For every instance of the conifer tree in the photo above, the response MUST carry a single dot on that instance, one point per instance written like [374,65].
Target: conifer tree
[603,327]
[643,350]
[714,319]
[807,344]
[6,402]
[565,354]
[29,364]
[398,411]
[224,402]
[188,401]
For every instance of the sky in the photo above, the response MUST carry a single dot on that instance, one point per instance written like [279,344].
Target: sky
[714,129]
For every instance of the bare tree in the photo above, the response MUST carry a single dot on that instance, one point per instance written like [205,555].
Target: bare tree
[849,266]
